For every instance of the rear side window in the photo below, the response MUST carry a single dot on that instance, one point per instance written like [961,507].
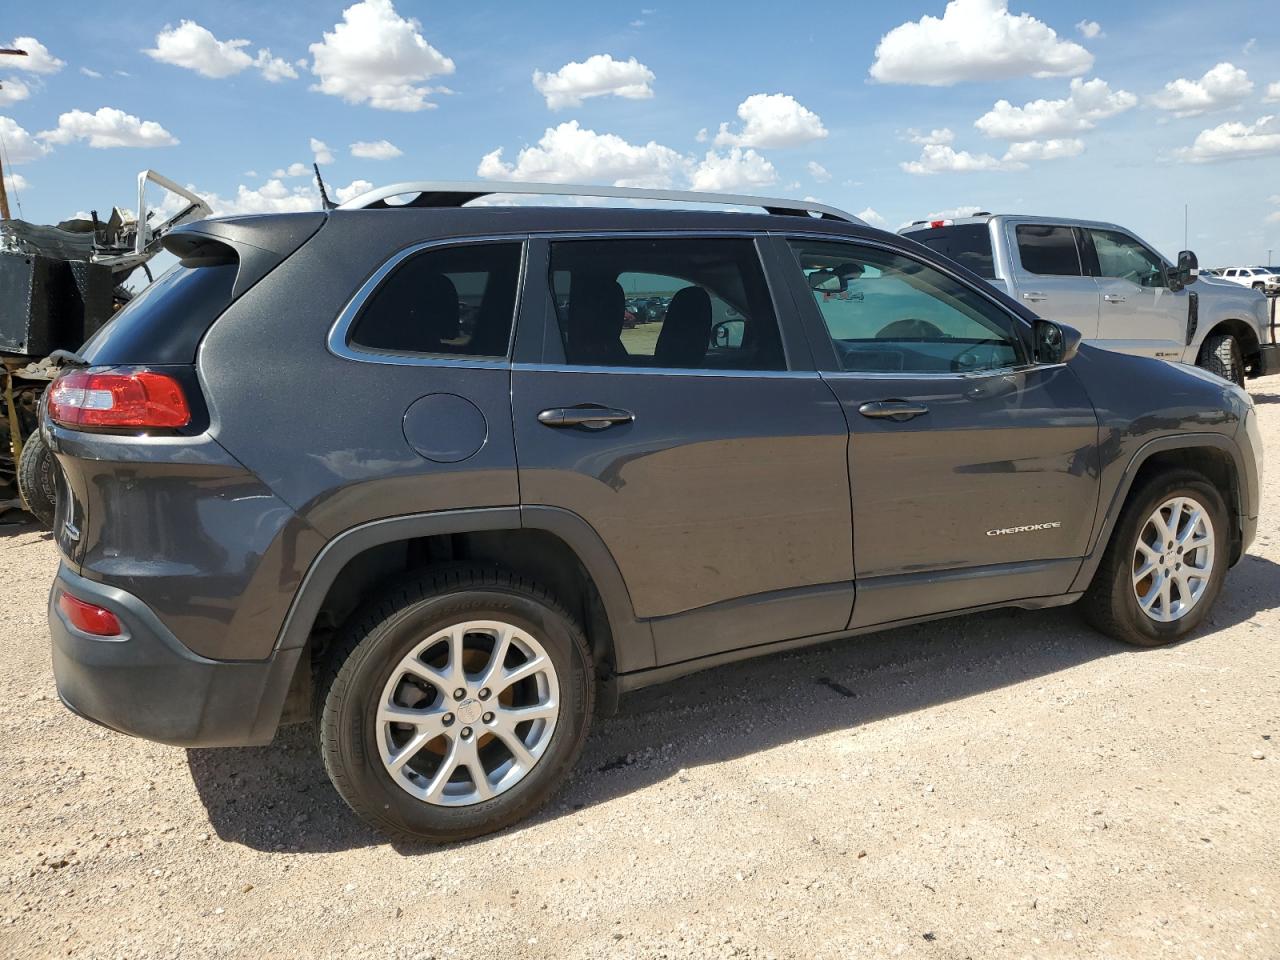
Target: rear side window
[165,322]
[968,244]
[665,303]
[1048,251]
[451,301]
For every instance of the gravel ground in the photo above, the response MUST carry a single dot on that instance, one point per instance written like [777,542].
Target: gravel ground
[1001,785]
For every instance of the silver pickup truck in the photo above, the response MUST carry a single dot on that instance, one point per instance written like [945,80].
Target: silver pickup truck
[1114,288]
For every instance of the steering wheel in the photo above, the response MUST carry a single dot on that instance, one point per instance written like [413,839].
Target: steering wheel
[911,329]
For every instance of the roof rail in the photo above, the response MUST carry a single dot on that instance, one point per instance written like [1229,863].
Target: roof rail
[445,193]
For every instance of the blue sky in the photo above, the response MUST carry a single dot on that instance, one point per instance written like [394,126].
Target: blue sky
[1110,112]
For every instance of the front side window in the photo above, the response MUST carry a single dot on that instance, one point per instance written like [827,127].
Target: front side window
[1124,258]
[694,303]
[453,301]
[1048,250]
[886,312]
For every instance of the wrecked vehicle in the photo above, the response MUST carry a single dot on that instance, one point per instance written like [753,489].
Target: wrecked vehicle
[58,286]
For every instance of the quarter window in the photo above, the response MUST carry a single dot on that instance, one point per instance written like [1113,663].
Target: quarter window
[1048,250]
[886,312]
[454,301]
[665,303]
[1123,257]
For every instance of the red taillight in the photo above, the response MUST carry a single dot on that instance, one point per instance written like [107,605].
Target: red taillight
[118,397]
[935,224]
[89,618]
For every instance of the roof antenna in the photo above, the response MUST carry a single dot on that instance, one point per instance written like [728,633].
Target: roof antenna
[324,197]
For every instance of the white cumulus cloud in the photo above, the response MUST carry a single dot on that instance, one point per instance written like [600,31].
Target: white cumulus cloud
[975,40]
[1234,140]
[193,47]
[92,74]
[1225,85]
[942,135]
[940,158]
[13,90]
[321,152]
[818,171]
[1273,93]
[1087,102]
[14,182]
[870,216]
[599,75]
[1044,150]
[352,190]
[38,58]
[293,170]
[108,127]
[570,153]
[377,57]
[772,120]
[1090,29]
[274,69]
[375,150]
[736,169]
[19,145]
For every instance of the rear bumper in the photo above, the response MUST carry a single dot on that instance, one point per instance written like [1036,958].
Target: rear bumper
[150,685]
[1268,360]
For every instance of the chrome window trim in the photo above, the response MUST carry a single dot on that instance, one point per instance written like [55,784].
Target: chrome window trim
[667,371]
[340,347]
[625,234]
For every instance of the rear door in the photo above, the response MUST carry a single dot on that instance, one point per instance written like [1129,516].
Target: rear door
[703,447]
[1139,313]
[1049,274]
[973,472]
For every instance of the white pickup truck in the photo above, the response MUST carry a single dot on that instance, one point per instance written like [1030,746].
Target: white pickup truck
[1115,289]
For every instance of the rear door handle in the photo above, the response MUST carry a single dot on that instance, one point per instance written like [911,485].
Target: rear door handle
[589,415]
[1033,297]
[899,410]
[1113,298]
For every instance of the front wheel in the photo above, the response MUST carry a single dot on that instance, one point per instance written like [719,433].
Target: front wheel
[455,704]
[1221,355]
[1165,564]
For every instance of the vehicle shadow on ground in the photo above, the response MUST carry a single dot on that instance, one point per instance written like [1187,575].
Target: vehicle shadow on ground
[278,798]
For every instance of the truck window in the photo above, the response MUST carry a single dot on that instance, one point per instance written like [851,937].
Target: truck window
[966,243]
[1123,257]
[1048,250]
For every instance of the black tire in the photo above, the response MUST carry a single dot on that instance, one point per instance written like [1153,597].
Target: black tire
[1110,605]
[37,479]
[374,642]
[1260,286]
[1221,355]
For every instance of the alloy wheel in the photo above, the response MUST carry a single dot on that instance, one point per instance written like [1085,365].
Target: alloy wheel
[1173,559]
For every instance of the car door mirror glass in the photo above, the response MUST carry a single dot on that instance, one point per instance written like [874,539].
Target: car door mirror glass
[1188,267]
[1055,342]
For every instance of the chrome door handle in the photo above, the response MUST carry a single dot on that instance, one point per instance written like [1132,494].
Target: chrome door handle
[1113,298]
[1034,297]
[589,415]
[897,410]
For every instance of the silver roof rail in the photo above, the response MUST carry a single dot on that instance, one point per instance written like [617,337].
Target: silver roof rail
[446,193]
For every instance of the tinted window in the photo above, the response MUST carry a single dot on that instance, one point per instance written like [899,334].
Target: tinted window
[455,301]
[969,244]
[886,312]
[692,303]
[1123,257]
[1048,251]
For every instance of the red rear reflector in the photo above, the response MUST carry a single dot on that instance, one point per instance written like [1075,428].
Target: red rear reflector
[88,618]
[118,397]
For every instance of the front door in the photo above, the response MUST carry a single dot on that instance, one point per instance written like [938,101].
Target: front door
[1139,313]
[974,472]
[667,408]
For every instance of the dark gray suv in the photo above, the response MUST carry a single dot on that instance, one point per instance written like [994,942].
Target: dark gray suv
[414,470]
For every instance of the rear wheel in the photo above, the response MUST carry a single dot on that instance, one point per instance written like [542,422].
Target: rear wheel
[36,479]
[1221,355]
[455,705]
[1165,563]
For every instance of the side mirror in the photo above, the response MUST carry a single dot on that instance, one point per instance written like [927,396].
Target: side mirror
[1187,270]
[1055,342]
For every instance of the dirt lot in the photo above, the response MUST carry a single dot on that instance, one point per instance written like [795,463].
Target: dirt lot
[1003,785]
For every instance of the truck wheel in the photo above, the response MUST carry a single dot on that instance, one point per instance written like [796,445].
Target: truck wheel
[454,704]
[1221,355]
[1260,286]
[37,481]
[1165,563]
